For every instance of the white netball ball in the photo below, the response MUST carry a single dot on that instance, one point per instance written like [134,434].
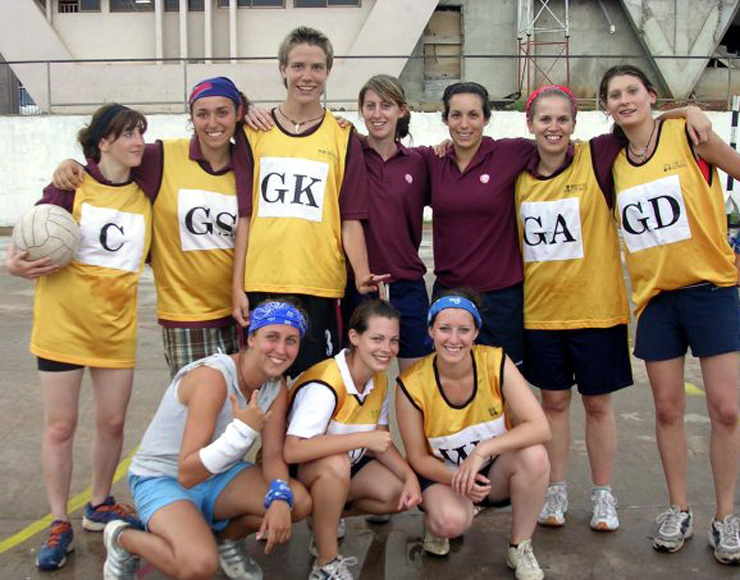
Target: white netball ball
[47,231]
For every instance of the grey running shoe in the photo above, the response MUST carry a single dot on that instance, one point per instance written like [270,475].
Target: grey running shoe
[337,569]
[521,559]
[120,564]
[675,526]
[236,563]
[724,537]
[555,506]
[605,517]
[435,545]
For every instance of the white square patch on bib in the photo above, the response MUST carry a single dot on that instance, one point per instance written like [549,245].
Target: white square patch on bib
[111,238]
[552,230]
[207,220]
[653,214]
[292,188]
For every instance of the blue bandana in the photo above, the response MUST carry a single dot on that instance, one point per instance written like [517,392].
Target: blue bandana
[454,302]
[216,87]
[272,312]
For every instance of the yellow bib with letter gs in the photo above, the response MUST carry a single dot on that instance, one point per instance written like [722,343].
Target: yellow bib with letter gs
[572,266]
[85,314]
[295,232]
[453,431]
[351,414]
[673,222]
[193,238]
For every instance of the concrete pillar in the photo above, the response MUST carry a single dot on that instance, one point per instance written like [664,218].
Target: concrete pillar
[48,11]
[183,28]
[208,30]
[158,30]
[233,48]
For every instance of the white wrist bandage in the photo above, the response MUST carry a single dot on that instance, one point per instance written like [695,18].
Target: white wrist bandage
[229,448]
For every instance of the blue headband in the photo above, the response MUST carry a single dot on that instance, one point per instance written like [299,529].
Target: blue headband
[216,87]
[454,302]
[272,312]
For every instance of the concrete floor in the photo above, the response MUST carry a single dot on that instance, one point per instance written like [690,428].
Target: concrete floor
[383,551]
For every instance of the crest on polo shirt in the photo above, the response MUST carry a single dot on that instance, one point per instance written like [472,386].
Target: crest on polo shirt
[551,230]
[292,188]
[653,214]
[207,220]
[111,238]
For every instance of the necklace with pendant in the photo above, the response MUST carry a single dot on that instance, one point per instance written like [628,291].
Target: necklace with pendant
[642,156]
[298,124]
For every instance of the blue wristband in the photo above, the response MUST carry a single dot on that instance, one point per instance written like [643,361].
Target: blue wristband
[279,491]
[735,243]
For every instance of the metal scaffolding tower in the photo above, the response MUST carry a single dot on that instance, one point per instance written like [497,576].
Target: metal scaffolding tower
[537,18]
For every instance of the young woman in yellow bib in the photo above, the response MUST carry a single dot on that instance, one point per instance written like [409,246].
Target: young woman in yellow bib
[474,434]
[193,192]
[670,206]
[338,435]
[85,316]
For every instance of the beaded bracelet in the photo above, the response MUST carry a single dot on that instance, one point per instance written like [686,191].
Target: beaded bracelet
[279,491]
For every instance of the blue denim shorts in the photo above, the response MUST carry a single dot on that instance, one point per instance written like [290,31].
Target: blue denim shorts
[153,493]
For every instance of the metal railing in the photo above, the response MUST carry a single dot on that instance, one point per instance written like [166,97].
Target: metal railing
[170,93]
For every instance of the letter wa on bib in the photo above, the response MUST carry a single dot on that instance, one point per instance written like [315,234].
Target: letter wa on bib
[653,214]
[292,188]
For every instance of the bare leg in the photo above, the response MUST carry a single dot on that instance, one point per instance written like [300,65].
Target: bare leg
[522,476]
[374,490]
[447,515]
[60,392]
[601,437]
[556,405]
[721,384]
[669,396]
[180,542]
[328,481]
[112,391]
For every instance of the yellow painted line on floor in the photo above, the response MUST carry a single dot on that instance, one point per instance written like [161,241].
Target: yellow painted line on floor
[693,390]
[73,505]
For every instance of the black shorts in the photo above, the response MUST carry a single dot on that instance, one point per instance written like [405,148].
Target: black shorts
[322,339]
[354,469]
[424,483]
[53,366]
[502,312]
[595,359]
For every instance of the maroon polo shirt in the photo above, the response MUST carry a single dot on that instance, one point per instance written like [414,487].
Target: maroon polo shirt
[353,202]
[398,190]
[604,151]
[474,223]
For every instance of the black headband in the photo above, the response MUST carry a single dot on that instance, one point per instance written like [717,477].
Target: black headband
[103,124]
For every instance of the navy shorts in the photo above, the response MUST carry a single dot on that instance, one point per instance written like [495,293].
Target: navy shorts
[53,366]
[321,340]
[595,359]
[705,317]
[411,300]
[502,312]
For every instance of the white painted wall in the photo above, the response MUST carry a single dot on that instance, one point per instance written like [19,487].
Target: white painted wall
[31,147]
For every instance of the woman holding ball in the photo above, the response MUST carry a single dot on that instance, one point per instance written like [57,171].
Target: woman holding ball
[99,332]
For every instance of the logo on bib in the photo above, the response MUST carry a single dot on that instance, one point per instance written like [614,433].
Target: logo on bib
[551,230]
[207,219]
[292,188]
[111,238]
[653,214]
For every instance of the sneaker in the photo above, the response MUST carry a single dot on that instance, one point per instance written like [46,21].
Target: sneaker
[120,564]
[378,519]
[435,545]
[236,563]
[521,559]
[337,569]
[341,532]
[96,518]
[675,527]
[556,504]
[605,517]
[724,537]
[53,554]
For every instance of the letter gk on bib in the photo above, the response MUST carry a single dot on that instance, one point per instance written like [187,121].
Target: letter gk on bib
[292,188]
[653,214]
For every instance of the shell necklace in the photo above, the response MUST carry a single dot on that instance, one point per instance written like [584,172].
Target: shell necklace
[298,124]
